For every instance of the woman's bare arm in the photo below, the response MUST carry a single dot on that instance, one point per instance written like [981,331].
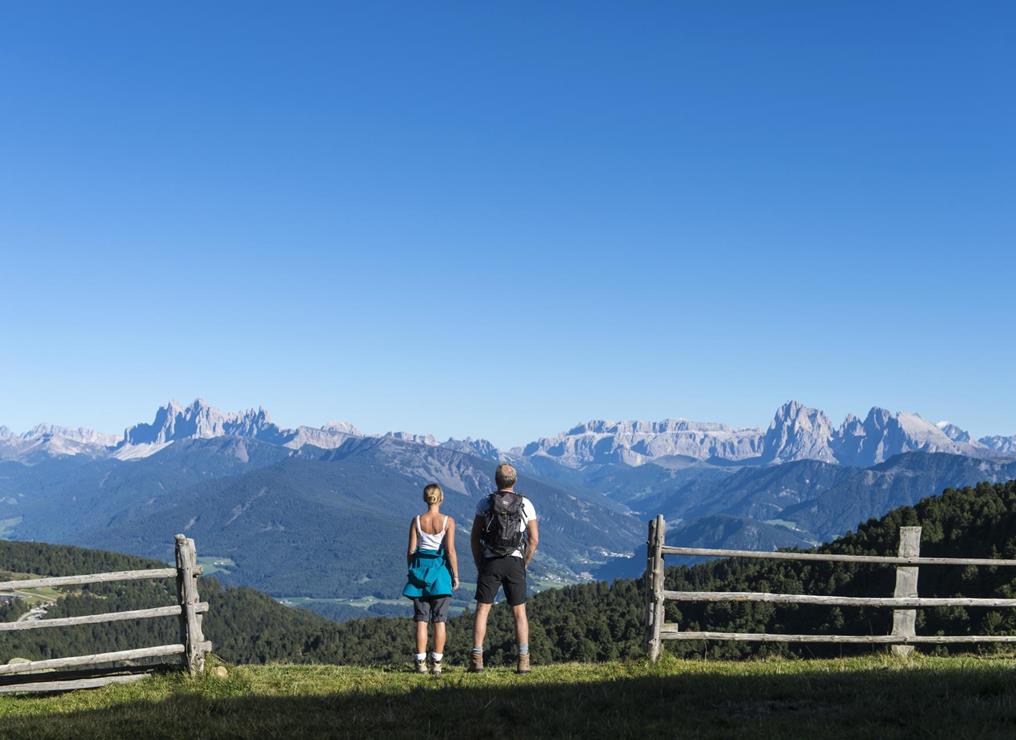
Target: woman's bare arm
[453,557]
[412,542]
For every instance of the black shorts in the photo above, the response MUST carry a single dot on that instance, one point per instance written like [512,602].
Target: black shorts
[431,609]
[509,572]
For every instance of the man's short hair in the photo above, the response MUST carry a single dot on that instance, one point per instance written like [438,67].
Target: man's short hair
[505,476]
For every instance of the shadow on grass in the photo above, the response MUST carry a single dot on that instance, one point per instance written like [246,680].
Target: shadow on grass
[871,703]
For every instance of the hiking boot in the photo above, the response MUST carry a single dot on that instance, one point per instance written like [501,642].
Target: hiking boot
[421,666]
[523,666]
[476,662]
[436,668]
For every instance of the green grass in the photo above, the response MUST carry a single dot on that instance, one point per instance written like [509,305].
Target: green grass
[872,697]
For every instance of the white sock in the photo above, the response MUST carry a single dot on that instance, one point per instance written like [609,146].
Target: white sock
[437,657]
[421,656]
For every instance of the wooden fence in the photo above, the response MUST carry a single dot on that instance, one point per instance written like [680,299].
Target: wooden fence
[904,601]
[89,671]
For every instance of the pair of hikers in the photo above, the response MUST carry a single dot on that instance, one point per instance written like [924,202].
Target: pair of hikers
[503,540]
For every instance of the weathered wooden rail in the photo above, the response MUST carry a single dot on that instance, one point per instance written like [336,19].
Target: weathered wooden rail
[904,601]
[121,665]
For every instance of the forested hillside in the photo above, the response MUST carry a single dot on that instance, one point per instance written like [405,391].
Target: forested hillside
[598,621]
[244,625]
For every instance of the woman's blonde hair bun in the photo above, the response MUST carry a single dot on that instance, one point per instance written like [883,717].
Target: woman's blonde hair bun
[433,494]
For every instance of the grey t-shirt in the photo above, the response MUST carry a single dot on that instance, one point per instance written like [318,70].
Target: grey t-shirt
[528,515]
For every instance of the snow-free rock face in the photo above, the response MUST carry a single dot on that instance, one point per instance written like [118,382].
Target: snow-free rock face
[327,437]
[81,435]
[798,433]
[200,421]
[48,440]
[635,442]
[479,447]
[884,434]
[421,439]
[340,427]
[174,422]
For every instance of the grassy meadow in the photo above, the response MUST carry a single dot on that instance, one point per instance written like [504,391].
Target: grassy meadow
[872,697]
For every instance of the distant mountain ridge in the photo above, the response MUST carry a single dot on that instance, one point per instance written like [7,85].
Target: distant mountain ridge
[175,422]
[797,432]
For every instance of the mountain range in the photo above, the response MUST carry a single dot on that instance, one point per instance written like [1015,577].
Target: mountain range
[796,432]
[320,513]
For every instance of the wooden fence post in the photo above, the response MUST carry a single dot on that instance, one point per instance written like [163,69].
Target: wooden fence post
[647,580]
[905,620]
[191,635]
[654,585]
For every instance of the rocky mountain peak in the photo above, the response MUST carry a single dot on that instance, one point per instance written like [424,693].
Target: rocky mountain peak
[421,439]
[479,447]
[341,427]
[953,432]
[798,432]
[199,420]
[999,444]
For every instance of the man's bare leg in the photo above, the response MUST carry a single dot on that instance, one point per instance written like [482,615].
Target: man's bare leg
[439,637]
[521,625]
[522,637]
[480,624]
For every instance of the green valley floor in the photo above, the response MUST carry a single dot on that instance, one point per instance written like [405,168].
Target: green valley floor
[872,697]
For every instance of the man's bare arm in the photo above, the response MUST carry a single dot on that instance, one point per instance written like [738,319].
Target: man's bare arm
[474,541]
[533,539]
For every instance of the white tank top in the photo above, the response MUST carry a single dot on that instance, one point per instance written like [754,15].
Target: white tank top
[427,541]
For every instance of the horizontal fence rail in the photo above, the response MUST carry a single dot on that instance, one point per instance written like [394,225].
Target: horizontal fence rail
[189,611]
[850,639]
[78,661]
[833,557]
[72,685]
[904,602]
[159,611]
[123,575]
[900,602]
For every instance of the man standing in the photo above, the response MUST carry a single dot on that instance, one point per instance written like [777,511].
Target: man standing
[504,539]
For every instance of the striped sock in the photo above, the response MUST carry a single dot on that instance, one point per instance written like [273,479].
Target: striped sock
[478,650]
[523,648]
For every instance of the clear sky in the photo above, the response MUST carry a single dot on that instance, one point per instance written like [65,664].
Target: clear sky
[499,219]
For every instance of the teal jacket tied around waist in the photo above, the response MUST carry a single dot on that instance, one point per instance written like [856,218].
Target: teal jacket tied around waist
[428,575]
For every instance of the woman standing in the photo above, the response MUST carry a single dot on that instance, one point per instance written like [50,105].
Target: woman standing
[433,575]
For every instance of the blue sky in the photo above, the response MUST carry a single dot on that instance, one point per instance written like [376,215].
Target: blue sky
[499,219]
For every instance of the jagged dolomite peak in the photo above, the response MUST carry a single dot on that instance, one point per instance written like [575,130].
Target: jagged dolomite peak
[198,420]
[798,433]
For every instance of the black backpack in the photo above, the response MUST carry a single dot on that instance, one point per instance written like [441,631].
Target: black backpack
[503,532]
